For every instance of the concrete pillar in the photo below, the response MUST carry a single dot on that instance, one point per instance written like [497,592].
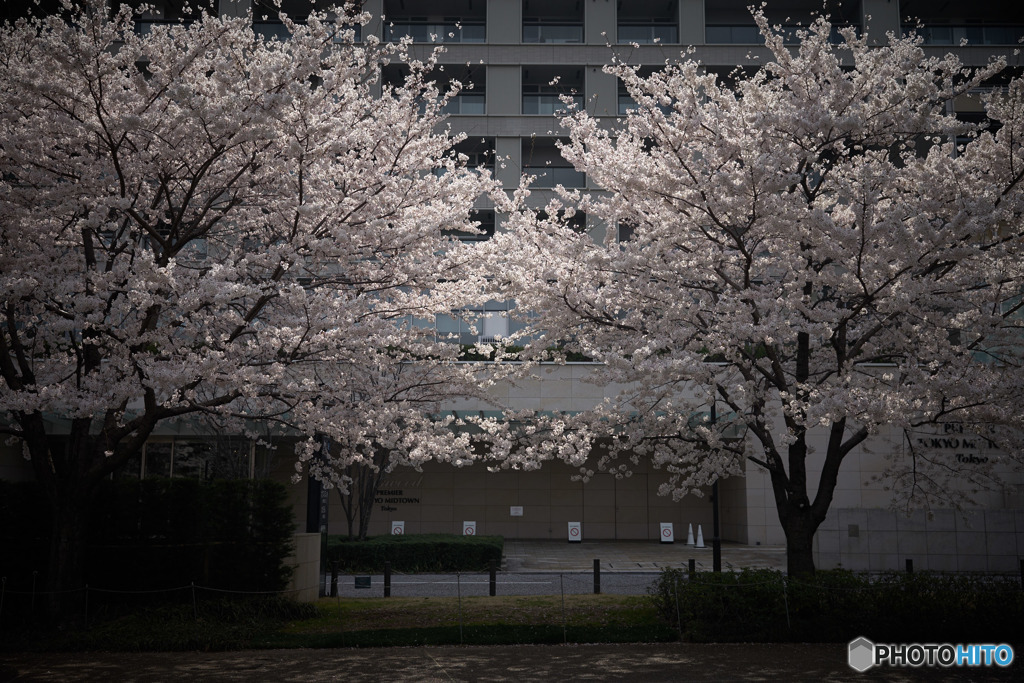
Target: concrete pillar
[509,161]
[504,90]
[602,92]
[504,22]
[880,17]
[599,22]
[233,8]
[691,22]
[376,10]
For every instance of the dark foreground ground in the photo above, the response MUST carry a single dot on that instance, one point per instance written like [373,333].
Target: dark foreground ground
[636,662]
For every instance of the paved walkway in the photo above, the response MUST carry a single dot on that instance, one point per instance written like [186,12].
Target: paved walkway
[631,662]
[632,556]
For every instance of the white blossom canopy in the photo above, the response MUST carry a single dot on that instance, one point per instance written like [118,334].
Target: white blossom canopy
[817,246]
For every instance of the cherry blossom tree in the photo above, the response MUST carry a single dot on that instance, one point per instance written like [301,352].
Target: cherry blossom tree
[196,221]
[818,251]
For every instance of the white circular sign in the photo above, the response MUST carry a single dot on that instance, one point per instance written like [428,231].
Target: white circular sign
[469,531]
[574,531]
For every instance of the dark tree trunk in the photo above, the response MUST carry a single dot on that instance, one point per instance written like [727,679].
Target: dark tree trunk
[800,528]
[69,471]
[65,576]
[369,485]
[359,501]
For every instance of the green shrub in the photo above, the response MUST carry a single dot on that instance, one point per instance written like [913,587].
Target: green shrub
[161,533]
[157,534]
[209,623]
[839,605]
[416,553]
[24,534]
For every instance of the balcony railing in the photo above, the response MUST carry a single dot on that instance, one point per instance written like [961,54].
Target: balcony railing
[648,33]
[751,35]
[552,33]
[547,104]
[448,32]
[276,29]
[550,176]
[628,104]
[938,34]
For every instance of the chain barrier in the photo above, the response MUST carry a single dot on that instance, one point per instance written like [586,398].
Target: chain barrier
[552,584]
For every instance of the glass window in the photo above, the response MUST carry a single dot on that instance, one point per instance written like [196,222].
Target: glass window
[158,458]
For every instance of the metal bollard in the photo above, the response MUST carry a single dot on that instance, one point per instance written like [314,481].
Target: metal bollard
[910,566]
[692,566]
[597,577]
[494,578]
[334,579]
[387,579]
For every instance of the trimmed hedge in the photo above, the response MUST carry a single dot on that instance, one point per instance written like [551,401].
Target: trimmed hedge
[416,553]
[762,605]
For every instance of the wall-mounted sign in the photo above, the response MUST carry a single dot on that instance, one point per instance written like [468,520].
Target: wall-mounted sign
[469,528]
[387,499]
[966,448]
[575,532]
[397,528]
[515,511]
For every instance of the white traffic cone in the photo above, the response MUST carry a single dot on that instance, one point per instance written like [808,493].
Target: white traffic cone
[689,535]
[700,537]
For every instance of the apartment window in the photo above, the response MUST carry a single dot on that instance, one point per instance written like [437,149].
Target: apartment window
[552,21]
[973,34]
[486,324]
[648,21]
[196,250]
[167,12]
[485,227]
[493,326]
[12,11]
[479,152]
[545,86]
[979,23]
[436,21]
[730,22]
[197,458]
[577,222]
[542,158]
[626,103]
[472,98]
[267,17]
[970,108]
